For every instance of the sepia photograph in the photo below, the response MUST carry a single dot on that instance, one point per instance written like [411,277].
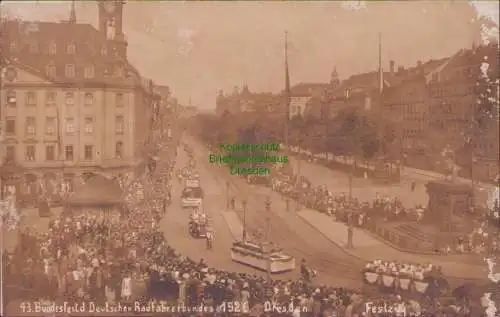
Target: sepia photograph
[249,158]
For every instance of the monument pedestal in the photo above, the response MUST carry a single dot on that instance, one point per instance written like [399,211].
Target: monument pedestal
[446,200]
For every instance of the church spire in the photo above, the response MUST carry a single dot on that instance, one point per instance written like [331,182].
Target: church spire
[334,77]
[245,89]
[72,14]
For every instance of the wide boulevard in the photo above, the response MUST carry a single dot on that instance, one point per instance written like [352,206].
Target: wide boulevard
[288,230]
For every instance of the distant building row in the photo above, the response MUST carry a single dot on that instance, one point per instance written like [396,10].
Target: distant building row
[431,104]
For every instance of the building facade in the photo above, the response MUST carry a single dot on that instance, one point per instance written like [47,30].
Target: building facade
[453,102]
[406,106]
[246,101]
[71,104]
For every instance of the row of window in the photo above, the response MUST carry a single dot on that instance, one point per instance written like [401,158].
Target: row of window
[88,71]
[452,91]
[50,152]
[69,71]
[51,125]
[30,98]
[51,48]
[412,132]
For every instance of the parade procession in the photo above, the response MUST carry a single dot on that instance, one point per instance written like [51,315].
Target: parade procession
[159,159]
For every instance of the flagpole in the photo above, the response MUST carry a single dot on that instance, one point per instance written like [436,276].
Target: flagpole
[380,71]
[287,92]
[381,135]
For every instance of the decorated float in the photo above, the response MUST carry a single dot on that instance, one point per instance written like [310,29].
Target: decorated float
[262,256]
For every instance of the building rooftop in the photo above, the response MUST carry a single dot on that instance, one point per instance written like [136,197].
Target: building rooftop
[40,45]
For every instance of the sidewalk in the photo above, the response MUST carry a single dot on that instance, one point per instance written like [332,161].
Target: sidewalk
[234,223]
[411,172]
[368,248]
[337,231]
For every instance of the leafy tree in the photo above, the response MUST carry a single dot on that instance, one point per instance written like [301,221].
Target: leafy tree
[355,135]
[390,139]
[484,118]
[315,138]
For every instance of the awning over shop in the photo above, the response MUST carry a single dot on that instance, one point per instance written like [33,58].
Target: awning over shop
[97,191]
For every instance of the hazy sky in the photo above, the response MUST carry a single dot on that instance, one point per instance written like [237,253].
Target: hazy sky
[200,47]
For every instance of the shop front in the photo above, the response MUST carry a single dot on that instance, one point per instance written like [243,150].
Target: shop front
[30,190]
[11,178]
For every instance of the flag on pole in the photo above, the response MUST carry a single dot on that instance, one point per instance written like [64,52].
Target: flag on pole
[287,92]
[287,79]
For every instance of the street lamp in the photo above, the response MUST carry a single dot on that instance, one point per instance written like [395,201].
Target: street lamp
[227,195]
[350,233]
[349,178]
[267,204]
[347,95]
[244,235]
[324,119]
[297,206]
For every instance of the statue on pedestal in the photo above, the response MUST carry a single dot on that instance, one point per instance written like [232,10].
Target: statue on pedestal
[451,169]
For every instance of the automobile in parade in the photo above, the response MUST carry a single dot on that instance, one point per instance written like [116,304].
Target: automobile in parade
[262,256]
[192,194]
[198,223]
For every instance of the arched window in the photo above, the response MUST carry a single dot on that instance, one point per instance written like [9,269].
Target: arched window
[11,98]
[31,184]
[52,48]
[50,184]
[71,48]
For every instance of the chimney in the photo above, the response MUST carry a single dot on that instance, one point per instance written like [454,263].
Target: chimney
[391,67]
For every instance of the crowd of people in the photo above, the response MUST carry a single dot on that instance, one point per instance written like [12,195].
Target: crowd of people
[407,270]
[387,209]
[481,240]
[125,258]
[340,205]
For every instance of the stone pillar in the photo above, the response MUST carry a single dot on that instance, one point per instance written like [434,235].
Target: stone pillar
[350,234]
[181,300]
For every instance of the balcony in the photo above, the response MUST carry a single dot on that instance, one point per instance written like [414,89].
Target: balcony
[116,162]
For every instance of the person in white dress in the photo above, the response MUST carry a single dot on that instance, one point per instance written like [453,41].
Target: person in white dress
[127,287]
[209,237]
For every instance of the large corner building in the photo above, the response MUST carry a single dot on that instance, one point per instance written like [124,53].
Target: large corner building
[71,104]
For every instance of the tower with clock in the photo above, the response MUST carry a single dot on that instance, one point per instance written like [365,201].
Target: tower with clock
[111,25]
